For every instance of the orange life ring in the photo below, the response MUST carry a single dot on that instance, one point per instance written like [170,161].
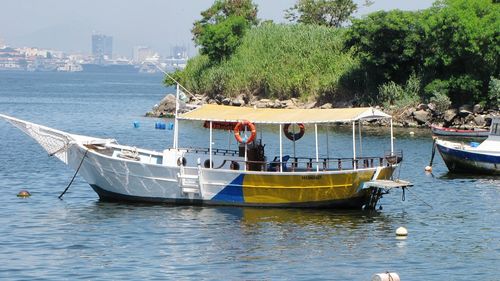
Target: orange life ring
[296,136]
[240,126]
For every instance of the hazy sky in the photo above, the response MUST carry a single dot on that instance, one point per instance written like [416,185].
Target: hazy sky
[67,25]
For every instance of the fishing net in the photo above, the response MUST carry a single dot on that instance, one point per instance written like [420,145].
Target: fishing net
[54,142]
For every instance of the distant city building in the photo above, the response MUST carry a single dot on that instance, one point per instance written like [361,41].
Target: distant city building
[179,52]
[142,53]
[102,47]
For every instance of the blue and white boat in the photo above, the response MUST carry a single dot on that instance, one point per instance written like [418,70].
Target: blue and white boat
[483,158]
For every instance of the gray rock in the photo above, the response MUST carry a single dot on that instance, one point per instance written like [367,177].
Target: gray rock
[480,120]
[237,102]
[167,104]
[219,98]
[243,98]
[422,107]
[432,107]
[465,110]
[477,108]
[327,106]
[226,101]
[449,115]
[421,116]
[310,105]
[260,104]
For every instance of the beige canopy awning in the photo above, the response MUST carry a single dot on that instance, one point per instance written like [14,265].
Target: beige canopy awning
[222,113]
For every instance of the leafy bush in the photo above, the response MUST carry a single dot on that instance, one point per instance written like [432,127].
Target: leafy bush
[441,100]
[494,92]
[391,93]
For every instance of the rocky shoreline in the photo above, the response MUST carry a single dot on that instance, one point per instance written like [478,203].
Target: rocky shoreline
[421,116]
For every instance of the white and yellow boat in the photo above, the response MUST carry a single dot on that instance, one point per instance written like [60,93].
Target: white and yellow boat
[241,177]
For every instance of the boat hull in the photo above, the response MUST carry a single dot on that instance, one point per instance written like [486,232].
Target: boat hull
[450,132]
[133,181]
[462,161]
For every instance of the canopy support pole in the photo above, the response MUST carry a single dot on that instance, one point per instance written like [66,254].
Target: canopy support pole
[392,139]
[354,145]
[293,129]
[327,143]
[176,121]
[281,147]
[317,151]
[211,140]
[360,140]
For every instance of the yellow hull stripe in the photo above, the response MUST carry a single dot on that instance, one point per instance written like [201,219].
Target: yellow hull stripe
[271,189]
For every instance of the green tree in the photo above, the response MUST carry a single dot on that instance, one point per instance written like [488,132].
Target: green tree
[332,13]
[223,26]
[462,46]
[389,46]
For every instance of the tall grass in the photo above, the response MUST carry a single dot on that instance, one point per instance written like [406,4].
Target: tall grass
[277,61]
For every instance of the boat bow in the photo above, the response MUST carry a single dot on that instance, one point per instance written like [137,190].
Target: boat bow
[55,142]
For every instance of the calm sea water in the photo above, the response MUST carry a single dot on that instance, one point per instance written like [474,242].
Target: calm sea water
[453,220]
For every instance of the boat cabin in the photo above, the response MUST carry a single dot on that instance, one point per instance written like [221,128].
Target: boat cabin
[289,125]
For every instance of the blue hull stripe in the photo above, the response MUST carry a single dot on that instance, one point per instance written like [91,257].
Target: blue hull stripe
[233,192]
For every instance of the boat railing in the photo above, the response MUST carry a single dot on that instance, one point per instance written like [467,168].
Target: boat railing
[304,164]
[215,151]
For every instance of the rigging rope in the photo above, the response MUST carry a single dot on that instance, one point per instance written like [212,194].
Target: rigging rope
[72,179]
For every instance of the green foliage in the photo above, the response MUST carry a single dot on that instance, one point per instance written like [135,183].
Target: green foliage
[331,13]
[391,93]
[454,46]
[388,45]
[223,26]
[220,41]
[437,86]
[277,61]
[494,92]
[441,100]
[462,46]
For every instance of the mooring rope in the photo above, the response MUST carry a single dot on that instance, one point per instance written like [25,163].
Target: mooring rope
[433,151]
[419,198]
[72,179]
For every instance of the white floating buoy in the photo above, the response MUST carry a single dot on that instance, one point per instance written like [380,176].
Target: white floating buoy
[401,231]
[428,168]
[388,276]
[412,133]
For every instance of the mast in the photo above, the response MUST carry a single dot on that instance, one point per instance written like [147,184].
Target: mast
[392,139]
[176,122]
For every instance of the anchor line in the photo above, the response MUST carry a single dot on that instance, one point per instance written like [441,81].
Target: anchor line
[433,151]
[73,178]
[419,198]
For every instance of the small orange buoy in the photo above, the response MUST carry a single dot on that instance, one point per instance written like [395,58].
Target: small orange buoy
[24,194]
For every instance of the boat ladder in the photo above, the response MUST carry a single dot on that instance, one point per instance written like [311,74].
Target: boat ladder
[189,183]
